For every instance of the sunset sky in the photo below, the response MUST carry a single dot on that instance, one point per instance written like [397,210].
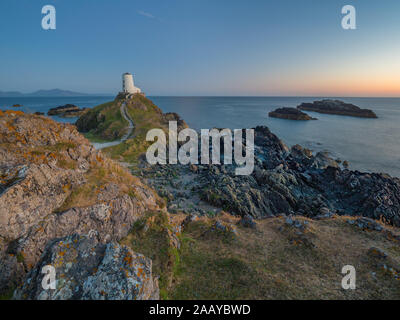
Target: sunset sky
[207,47]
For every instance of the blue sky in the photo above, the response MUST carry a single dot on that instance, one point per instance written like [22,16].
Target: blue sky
[207,47]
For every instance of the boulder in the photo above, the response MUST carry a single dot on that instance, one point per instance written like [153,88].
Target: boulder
[87,270]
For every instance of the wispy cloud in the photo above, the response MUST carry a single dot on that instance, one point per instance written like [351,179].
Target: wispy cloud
[146,14]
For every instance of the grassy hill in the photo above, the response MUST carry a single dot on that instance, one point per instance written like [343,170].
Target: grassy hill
[105,123]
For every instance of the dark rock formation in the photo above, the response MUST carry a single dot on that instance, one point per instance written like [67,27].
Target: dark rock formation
[67,111]
[298,182]
[87,270]
[337,107]
[172,116]
[290,114]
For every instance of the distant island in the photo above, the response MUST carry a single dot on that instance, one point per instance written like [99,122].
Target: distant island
[290,114]
[45,93]
[337,107]
[67,111]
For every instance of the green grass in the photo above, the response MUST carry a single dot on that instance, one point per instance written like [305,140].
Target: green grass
[94,138]
[149,236]
[146,116]
[7,295]
[104,122]
[206,270]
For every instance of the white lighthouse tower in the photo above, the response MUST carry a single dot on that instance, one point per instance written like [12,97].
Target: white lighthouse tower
[128,85]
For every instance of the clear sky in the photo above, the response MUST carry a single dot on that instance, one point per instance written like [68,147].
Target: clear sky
[203,47]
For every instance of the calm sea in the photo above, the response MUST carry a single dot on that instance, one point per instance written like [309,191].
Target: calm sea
[368,144]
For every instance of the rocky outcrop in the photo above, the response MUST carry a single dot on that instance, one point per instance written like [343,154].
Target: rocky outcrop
[67,111]
[88,270]
[290,114]
[172,116]
[298,182]
[337,107]
[53,184]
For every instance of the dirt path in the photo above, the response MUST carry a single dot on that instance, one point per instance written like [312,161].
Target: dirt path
[131,126]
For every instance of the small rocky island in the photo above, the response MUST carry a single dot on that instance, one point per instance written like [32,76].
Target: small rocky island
[67,111]
[337,107]
[290,114]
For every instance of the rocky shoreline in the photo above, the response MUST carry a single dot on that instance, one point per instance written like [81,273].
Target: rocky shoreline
[285,181]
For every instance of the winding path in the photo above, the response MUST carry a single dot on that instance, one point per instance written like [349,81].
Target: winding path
[131,126]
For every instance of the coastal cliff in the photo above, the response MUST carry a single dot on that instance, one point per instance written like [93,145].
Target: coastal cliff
[55,184]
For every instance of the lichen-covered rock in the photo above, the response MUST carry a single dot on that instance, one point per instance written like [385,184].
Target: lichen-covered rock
[36,191]
[43,164]
[88,270]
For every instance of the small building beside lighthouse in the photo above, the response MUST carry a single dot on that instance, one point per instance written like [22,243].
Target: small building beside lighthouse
[128,85]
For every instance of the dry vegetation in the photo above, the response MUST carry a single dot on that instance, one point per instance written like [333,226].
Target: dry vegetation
[273,261]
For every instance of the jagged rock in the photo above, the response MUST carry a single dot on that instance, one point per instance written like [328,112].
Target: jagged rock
[41,163]
[104,221]
[322,160]
[297,181]
[366,224]
[40,190]
[325,213]
[87,270]
[225,227]
[248,222]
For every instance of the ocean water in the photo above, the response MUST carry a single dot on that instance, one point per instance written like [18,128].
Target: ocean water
[371,145]
[43,104]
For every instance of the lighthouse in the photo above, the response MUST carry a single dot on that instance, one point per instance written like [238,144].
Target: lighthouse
[128,85]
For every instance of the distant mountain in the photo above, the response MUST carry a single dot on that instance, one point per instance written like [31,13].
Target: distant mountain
[43,93]
[55,93]
[10,94]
